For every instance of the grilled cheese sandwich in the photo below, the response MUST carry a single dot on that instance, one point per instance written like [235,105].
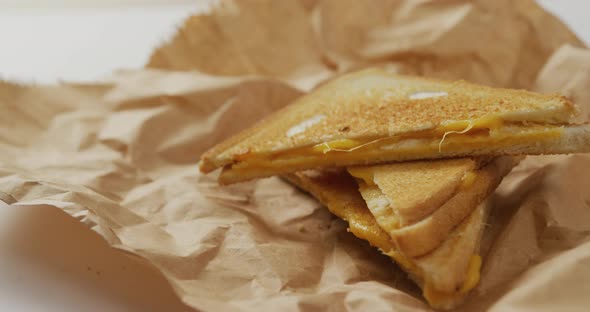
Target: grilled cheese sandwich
[373,117]
[425,154]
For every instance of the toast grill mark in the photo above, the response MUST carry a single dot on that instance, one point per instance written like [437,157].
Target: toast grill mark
[427,94]
[302,126]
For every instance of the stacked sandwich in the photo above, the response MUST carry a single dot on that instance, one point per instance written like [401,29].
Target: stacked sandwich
[408,162]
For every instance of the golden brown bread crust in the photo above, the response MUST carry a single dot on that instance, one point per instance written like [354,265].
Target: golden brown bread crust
[454,256]
[375,103]
[416,189]
[422,237]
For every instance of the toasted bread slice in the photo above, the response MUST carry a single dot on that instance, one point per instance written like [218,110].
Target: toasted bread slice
[557,140]
[451,188]
[446,275]
[413,190]
[456,263]
[374,116]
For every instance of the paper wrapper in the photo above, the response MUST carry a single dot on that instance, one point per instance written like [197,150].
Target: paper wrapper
[121,156]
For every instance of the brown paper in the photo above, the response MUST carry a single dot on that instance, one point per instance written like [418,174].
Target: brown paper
[121,156]
[499,43]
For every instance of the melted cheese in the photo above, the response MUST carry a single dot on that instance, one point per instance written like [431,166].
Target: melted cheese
[485,129]
[335,145]
[360,173]
[310,157]
[375,237]
[473,274]
[488,122]
[400,147]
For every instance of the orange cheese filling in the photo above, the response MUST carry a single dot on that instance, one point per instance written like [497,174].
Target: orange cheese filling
[453,135]
[447,128]
[364,175]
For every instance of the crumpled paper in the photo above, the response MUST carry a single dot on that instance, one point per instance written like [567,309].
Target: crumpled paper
[121,155]
[501,43]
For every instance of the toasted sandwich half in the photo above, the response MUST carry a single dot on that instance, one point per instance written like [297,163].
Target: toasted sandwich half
[446,273]
[374,116]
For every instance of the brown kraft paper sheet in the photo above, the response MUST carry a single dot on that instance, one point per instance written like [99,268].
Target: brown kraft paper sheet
[121,155]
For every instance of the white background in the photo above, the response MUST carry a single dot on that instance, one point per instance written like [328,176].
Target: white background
[49,261]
